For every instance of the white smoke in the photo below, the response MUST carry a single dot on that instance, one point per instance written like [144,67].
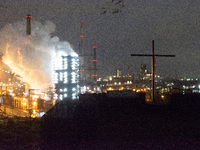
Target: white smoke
[30,56]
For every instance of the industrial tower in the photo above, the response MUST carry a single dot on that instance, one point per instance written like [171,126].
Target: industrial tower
[94,63]
[95,69]
[86,81]
[28,24]
[81,54]
[88,76]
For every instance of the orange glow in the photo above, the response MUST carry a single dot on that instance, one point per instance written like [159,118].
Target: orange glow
[81,20]
[81,36]
[155,65]
[95,46]
[155,56]
[109,89]
[94,60]
[95,75]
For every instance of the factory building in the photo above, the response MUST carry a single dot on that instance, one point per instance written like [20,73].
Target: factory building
[66,77]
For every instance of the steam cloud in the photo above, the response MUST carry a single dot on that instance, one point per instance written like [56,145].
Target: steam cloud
[31,56]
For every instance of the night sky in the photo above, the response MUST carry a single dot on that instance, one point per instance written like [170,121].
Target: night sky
[175,27]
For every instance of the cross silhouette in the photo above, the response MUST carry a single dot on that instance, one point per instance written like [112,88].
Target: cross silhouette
[153,65]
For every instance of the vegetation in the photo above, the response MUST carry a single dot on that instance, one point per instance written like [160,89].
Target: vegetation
[114,6]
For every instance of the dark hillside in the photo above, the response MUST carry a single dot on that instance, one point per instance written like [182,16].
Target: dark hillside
[123,124]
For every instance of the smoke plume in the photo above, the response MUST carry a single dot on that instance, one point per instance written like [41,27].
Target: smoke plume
[30,56]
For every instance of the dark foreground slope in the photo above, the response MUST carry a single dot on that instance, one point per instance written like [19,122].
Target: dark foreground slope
[122,124]
[107,124]
[19,133]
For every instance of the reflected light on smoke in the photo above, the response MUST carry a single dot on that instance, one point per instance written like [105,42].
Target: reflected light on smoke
[31,56]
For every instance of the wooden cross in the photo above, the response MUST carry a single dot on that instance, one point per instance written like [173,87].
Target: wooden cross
[153,64]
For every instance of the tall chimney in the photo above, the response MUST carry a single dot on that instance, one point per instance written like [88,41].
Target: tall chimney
[94,63]
[28,24]
[81,54]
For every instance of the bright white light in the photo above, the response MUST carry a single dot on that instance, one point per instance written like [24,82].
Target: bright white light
[57,63]
[73,81]
[66,70]
[61,97]
[74,96]
[61,76]
[56,96]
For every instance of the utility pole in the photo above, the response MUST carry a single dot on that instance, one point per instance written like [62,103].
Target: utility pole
[153,56]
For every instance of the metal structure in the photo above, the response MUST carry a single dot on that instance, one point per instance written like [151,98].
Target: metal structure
[95,68]
[12,74]
[95,65]
[88,76]
[153,66]
[28,24]
[65,77]
[81,54]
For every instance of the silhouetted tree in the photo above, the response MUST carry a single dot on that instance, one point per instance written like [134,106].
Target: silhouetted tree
[115,6]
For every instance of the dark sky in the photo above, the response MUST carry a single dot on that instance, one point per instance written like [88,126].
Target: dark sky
[174,25]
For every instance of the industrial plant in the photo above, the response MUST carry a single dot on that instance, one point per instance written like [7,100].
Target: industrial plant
[71,76]
[65,78]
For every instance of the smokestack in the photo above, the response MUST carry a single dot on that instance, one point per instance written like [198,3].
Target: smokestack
[81,53]
[28,24]
[94,63]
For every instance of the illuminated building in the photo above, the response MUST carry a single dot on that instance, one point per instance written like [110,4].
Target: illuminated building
[65,76]
[143,72]
[119,73]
